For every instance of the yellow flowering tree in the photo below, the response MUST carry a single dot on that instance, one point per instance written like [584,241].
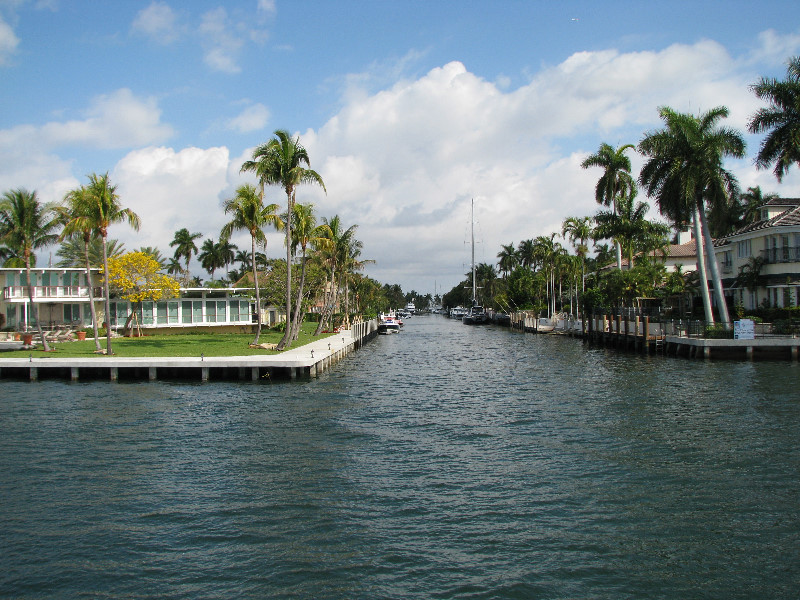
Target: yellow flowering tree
[136,277]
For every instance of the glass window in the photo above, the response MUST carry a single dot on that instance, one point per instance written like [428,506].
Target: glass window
[197,311]
[161,313]
[172,311]
[211,311]
[148,310]
[186,309]
[221,316]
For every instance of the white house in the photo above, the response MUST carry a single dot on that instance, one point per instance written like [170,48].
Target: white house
[62,298]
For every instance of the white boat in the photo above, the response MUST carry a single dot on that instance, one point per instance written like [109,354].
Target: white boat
[389,323]
[475,316]
[410,308]
[545,325]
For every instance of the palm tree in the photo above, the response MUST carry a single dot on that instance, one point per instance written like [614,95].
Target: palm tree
[306,231]
[79,227]
[526,253]
[227,253]
[155,254]
[753,199]
[685,172]
[185,247]
[616,180]
[249,214]
[280,162]
[26,225]
[71,252]
[174,266]
[781,120]
[579,231]
[508,259]
[335,256]
[211,257]
[104,210]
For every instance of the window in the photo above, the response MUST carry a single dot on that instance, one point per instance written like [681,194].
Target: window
[72,313]
[186,309]
[744,249]
[148,313]
[211,311]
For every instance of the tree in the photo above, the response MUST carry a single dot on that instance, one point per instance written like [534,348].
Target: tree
[27,225]
[579,231]
[752,201]
[280,162]
[211,257]
[76,214]
[105,210]
[616,180]
[306,231]
[334,256]
[630,227]
[750,276]
[71,252]
[155,254]
[249,214]
[508,259]
[136,277]
[185,247]
[780,120]
[685,172]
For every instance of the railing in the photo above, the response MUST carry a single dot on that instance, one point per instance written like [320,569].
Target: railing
[781,255]
[51,291]
[690,328]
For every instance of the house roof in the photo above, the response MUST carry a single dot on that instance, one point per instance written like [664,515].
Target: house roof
[782,202]
[786,218]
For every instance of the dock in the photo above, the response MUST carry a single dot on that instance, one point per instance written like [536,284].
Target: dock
[303,362]
[668,338]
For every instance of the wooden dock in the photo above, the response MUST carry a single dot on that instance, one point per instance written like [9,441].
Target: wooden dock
[638,334]
[303,362]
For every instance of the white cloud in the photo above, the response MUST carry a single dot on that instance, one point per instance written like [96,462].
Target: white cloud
[170,190]
[115,120]
[8,42]
[157,21]
[404,162]
[253,118]
[222,44]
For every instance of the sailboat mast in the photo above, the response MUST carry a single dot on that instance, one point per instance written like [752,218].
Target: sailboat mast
[474,282]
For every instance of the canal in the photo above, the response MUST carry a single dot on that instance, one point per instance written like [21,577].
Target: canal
[446,461]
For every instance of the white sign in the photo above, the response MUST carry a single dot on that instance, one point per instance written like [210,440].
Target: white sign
[744,330]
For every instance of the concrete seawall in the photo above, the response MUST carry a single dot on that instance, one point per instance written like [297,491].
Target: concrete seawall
[303,362]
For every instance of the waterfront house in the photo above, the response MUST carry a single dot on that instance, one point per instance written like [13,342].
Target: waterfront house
[769,250]
[62,299]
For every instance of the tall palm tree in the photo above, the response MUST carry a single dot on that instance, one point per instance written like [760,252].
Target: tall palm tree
[305,232]
[752,200]
[280,162]
[26,225]
[616,180]
[781,120]
[76,214]
[249,214]
[185,247]
[526,253]
[211,257]
[579,231]
[335,256]
[508,259]
[227,253]
[105,209]
[685,172]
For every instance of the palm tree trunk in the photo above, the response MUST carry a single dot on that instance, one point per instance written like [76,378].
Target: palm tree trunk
[258,294]
[297,320]
[716,280]
[619,254]
[327,301]
[34,310]
[91,294]
[107,292]
[701,267]
[288,331]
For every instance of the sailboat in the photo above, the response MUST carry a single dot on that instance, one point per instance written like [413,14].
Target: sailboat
[476,314]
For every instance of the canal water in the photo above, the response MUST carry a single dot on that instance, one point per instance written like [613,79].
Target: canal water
[447,461]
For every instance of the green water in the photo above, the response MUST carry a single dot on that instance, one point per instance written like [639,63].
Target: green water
[444,462]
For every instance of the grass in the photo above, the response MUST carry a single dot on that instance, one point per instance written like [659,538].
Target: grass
[188,344]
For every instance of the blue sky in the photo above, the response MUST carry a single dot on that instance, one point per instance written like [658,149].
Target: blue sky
[408,109]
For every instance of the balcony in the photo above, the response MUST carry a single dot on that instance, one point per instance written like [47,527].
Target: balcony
[781,255]
[51,292]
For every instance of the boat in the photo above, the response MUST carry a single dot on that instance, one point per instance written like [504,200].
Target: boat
[545,325]
[458,312]
[389,323]
[476,315]
[410,308]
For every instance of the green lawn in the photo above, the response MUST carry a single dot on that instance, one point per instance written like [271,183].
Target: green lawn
[209,344]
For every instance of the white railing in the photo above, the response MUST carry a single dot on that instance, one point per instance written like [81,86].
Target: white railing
[50,291]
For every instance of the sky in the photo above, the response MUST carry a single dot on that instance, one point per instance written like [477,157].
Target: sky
[410,111]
